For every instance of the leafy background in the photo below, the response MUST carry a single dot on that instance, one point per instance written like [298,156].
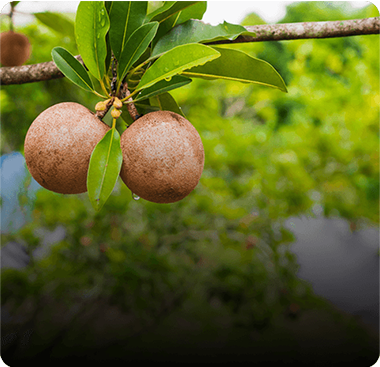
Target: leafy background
[214,272]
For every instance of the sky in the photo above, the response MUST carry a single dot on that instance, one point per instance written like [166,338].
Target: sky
[217,11]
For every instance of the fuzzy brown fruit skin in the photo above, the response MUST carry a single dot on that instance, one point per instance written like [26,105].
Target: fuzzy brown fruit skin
[163,157]
[14,48]
[58,147]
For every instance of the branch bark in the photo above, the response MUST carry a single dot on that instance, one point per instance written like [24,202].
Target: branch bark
[295,31]
[31,73]
[268,32]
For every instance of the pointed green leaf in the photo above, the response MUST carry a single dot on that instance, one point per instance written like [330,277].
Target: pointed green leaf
[175,8]
[125,18]
[72,68]
[162,86]
[161,9]
[91,26]
[57,23]
[166,102]
[196,31]
[175,61]
[135,47]
[238,66]
[104,168]
[195,11]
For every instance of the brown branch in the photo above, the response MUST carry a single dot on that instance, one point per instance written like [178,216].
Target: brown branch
[295,31]
[267,32]
[30,73]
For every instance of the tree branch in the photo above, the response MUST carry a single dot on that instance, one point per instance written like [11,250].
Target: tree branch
[295,31]
[31,73]
[267,32]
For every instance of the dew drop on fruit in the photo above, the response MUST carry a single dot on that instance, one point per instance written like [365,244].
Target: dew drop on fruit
[135,197]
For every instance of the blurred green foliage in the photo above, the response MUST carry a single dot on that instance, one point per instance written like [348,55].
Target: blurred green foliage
[223,251]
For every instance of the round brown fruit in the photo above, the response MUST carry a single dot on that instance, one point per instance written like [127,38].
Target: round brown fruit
[58,147]
[14,48]
[163,157]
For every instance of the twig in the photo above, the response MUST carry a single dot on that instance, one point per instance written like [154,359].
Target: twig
[31,73]
[124,92]
[308,30]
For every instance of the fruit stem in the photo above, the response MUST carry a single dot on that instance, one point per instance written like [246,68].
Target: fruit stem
[126,96]
[99,95]
[147,61]
[103,87]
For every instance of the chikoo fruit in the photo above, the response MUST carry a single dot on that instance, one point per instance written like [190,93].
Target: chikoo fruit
[163,157]
[14,48]
[58,147]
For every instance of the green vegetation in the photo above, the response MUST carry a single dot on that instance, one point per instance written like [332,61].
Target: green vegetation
[219,258]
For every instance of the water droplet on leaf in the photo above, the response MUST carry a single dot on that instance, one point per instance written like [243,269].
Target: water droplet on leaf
[135,197]
[168,79]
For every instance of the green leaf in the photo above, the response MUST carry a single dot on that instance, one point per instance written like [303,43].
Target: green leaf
[238,66]
[196,31]
[175,61]
[104,168]
[125,18]
[91,26]
[57,23]
[166,102]
[108,5]
[194,11]
[377,4]
[161,9]
[136,45]
[170,8]
[162,86]
[146,108]
[72,68]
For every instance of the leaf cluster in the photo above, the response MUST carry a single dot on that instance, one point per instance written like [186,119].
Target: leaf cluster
[139,56]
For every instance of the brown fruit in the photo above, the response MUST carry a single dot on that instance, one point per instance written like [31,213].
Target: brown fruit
[14,48]
[58,147]
[163,157]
